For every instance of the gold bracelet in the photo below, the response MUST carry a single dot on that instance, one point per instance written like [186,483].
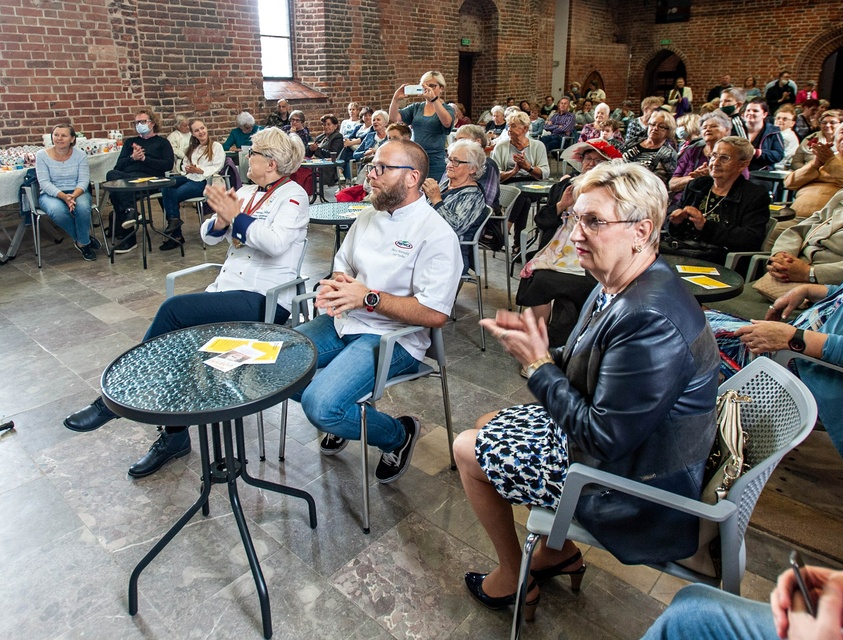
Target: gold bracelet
[534,366]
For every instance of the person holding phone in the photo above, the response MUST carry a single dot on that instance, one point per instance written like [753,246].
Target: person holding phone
[431,120]
[702,612]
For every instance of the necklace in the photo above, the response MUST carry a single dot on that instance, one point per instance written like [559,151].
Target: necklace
[710,206]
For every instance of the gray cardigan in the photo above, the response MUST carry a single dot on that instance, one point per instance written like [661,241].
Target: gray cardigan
[635,397]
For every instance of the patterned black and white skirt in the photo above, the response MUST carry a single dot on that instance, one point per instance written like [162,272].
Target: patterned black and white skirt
[524,455]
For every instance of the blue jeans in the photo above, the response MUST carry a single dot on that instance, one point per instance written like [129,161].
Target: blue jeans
[705,613]
[330,400]
[551,142]
[192,309]
[184,189]
[77,224]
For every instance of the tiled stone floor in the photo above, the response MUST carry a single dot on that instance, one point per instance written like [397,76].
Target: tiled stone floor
[72,524]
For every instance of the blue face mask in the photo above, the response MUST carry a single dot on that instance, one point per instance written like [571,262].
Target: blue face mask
[142,128]
[680,133]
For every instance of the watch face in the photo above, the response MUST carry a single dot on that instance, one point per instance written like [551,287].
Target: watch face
[372,299]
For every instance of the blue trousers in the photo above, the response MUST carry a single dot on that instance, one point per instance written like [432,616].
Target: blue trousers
[349,362]
[77,224]
[184,189]
[705,613]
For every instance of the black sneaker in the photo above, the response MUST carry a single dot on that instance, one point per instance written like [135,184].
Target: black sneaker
[394,464]
[171,243]
[129,219]
[124,245]
[95,244]
[172,225]
[87,252]
[332,445]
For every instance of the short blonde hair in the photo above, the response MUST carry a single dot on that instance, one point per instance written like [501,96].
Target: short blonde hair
[666,118]
[651,102]
[691,122]
[286,149]
[743,146]
[433,75]
[518,117]
[639,193]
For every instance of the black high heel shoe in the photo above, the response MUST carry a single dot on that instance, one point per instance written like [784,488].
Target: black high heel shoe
[474,582]
[543,575]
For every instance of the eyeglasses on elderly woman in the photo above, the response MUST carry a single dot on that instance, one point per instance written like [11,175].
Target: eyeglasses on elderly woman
[591,223]
[455,161]
[252,152]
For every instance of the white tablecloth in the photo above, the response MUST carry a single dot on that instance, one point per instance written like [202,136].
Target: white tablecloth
[10,181]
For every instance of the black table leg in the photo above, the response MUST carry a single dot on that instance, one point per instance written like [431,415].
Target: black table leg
[165,540]
[269,486]
[257,574]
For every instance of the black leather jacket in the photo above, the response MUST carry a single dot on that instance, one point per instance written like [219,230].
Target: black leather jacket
[635,397]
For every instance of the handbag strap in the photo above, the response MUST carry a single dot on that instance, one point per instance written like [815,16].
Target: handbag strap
[732,437]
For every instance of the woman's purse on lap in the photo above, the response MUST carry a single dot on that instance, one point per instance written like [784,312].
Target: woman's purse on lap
[559,254]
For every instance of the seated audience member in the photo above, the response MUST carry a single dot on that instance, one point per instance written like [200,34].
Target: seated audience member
[575,92]
[510,102]
[431,119]
[297,126]
[781,92]
[460,117]
[808,93]
[594,129]
[595,93]
[765,137]
[378,287]
[265,225]
[143,156]
[818,180]
[281,117]
[561,124]
[807,122]
[525,106]
[241,135]
[357,193]
[327,145]
[687,131]
[725,83]
[349,129]
[731,103]
[722,211]
[636,129]
[497,124]
[536,122]
[811,251]
[784,120]
[654,152]
[374,139]
[548,107]
[462,202]
[490,178]
[179,139]
[623,113]
[680,98]
[750,90]
[816,332]
[351,123]
[554,279]
[827,125]
[596,404]
[706,613]
[693,163]
[63,179]
[612,134]
[204,158]
[585,114]
[520,159]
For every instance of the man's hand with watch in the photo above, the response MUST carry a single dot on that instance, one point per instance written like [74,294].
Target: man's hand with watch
[343,293]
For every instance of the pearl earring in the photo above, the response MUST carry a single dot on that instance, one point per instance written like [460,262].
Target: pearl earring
[638,248]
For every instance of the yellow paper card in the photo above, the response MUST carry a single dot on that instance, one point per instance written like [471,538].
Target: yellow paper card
[687,268]
[706,282]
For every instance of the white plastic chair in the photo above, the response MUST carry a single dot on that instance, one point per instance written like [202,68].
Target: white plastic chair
[269,315]
[781,415]
[383,382]
[475,279]
[507,199]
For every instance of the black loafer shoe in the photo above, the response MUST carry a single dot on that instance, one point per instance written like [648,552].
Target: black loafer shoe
[169,446]
[91,417]
[171,243]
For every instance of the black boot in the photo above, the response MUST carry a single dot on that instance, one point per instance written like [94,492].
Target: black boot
[167,447]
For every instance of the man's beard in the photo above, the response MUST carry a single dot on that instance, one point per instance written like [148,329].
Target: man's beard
[388,200]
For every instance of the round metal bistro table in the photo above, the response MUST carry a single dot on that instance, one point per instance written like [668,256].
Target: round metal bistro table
[165,381]
[340,215]
[731,282]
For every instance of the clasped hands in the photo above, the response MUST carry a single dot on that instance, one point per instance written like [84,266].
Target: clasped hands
[431,189]
[340,294]
[225,203]
[786,268]
[522,335]
[692,214]
[69,200]
[138,154]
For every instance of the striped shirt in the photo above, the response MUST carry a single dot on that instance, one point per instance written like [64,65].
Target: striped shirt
[55,176]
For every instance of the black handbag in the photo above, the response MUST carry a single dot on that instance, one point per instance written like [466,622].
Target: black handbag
[670,245]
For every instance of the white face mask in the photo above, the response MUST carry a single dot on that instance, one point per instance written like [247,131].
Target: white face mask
[680,133]
[142,128]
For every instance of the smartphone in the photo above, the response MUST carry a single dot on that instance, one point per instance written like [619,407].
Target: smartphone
[413,90]
[803,581]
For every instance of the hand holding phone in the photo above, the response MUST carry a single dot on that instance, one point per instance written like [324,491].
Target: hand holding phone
[413,90]
[806,589]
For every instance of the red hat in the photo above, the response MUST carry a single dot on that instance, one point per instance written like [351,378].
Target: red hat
[574,153]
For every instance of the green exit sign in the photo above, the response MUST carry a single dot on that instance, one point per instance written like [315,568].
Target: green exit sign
[465,42]
[665,42]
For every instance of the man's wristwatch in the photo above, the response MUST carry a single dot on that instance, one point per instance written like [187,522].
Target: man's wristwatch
[797,342]
[534,366]
[812,277]
[372,300]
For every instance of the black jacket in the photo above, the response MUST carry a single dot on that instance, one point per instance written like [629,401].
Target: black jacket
[741,217]
[635,397]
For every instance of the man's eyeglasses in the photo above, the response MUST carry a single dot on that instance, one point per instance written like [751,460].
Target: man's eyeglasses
[252,152]
[719,156]
[380,168]
[296,120]
[455,162]
[143,121]
[591,223]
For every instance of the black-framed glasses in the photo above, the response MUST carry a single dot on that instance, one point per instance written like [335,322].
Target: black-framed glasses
[663,127]
[296,120]
[455,161]
[380,168]
[591,223]
[252,152]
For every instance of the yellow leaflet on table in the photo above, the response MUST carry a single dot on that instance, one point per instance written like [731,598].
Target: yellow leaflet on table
[222,344]
[706,282]
[686,268]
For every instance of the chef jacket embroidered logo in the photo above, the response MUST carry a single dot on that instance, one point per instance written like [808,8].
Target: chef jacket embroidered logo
[402,248]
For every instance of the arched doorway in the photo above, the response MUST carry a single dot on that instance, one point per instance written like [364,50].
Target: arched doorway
[660,73]
[476,81]
[831,79]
